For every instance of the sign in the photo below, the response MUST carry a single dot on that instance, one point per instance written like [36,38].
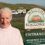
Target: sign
[35,37]
[35,19]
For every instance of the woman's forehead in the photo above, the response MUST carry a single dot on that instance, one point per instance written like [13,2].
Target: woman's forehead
[5,14]
[5,11]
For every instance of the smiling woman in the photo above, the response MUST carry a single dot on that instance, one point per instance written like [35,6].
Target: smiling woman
[8,34]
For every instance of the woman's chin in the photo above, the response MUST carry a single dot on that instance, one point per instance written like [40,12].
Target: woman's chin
[4,26]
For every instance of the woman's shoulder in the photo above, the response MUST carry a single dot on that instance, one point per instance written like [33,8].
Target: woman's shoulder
[15,29]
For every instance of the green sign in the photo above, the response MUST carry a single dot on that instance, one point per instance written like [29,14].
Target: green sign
[35,37]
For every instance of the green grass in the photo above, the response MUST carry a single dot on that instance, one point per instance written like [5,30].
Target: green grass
[18,22]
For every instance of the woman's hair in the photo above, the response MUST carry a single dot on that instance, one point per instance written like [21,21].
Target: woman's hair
[6,9]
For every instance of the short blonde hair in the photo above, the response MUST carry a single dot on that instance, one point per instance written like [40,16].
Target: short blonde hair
[6,9]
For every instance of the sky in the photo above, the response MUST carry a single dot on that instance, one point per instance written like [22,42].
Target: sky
[38,2]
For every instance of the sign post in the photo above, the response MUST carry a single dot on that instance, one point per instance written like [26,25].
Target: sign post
[35,22]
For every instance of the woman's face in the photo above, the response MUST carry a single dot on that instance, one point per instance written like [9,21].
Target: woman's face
[5,19]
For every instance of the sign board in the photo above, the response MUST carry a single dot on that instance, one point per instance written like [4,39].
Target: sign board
[35,19]
[35,37]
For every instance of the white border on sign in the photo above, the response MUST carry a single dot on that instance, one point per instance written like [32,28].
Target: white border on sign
[35,11]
